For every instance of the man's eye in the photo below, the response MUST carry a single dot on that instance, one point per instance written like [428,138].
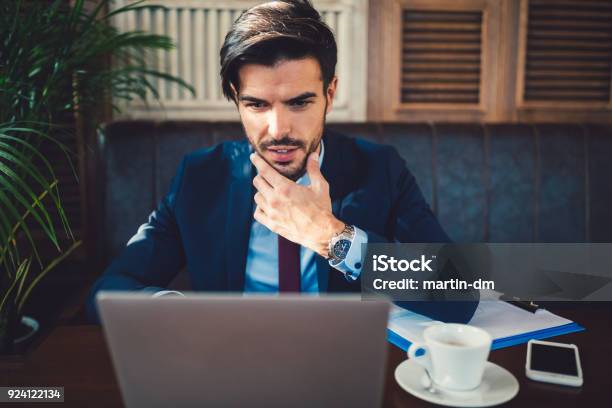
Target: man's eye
[300,104]
[256,105]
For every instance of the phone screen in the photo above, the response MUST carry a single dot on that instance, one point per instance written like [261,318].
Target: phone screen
[561,360]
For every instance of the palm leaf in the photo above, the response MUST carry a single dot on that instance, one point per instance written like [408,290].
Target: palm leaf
[53,62]
[44,272]
[54,193]
[21,269]
[39,212]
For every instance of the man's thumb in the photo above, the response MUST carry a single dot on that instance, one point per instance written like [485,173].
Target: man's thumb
[314,172]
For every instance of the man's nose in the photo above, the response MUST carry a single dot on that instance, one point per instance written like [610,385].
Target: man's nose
[279,124]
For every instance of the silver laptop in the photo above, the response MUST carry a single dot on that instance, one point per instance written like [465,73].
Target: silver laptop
[234,351]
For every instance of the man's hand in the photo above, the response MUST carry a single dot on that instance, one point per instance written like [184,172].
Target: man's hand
[302,214]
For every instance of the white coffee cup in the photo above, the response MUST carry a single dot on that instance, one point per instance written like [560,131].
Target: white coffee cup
[454,355]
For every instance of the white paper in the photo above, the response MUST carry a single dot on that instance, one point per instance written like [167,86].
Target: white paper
[500,319]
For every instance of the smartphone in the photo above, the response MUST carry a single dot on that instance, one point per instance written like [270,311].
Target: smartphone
[556,363]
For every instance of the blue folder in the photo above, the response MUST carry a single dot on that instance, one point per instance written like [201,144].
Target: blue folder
[403,343]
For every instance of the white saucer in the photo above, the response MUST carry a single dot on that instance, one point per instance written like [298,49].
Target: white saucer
[498,386]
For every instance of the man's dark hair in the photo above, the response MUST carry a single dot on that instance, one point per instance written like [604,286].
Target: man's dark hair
[276,31]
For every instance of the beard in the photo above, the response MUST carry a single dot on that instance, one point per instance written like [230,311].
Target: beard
[292,170]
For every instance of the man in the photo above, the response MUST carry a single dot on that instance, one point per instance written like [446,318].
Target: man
[288,208]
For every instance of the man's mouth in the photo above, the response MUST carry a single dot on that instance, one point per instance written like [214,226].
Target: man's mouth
[282,154]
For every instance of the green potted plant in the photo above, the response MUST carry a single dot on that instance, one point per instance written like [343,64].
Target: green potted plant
[57,61]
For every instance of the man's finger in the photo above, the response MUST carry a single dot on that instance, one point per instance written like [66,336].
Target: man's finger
[314,172]
[273,177]
[263,186]
[266,207]
[260,200]
[258,214]
[261,217]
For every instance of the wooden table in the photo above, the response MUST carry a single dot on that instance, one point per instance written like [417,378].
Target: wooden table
[76,357]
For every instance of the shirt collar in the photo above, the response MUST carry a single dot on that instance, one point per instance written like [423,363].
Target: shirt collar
[305,180]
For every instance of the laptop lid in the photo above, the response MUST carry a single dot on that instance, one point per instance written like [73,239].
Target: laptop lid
[232,350]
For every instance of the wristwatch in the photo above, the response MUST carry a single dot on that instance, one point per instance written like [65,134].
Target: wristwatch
[340,244]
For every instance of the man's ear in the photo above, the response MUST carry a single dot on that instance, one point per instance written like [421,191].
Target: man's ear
[330,92]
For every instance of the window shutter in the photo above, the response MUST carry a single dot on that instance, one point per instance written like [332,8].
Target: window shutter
[441,56]
[438,61]
[568,52]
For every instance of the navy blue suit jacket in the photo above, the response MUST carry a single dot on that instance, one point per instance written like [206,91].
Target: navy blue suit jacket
[203,222]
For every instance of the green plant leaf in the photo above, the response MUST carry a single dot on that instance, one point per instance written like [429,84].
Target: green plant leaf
[38,210]
[44,272]
[21,276]
[22,268]
[53,193]
[55,60]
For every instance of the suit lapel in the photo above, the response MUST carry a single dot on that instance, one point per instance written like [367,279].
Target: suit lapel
[239,216]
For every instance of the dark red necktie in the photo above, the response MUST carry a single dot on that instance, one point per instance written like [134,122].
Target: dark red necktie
[288,265]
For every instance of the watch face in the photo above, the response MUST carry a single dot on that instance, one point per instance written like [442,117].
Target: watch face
[341,248]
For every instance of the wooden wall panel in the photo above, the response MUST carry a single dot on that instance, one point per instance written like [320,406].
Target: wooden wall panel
[437,59]
[540,61]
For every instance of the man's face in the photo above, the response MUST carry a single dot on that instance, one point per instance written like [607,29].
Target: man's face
[282,109]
